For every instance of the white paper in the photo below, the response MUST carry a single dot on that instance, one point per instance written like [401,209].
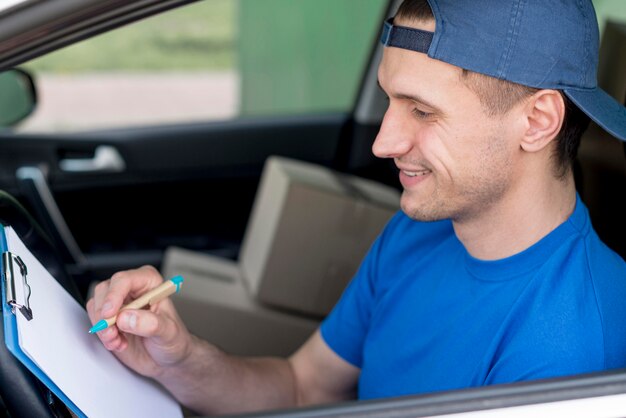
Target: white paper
[57,340]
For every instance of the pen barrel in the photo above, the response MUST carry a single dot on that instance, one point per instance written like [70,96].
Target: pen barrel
[155,295]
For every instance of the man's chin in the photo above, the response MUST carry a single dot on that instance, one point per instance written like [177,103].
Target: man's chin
[420,212]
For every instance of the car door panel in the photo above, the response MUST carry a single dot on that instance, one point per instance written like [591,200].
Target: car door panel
[186,185]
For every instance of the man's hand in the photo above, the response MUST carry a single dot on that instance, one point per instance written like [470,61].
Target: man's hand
[155,343]
[147,341]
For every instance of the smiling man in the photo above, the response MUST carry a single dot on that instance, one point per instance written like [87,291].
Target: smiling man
[491,273]
[502,277]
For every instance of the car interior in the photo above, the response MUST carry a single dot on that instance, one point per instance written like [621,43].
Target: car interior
[267,230]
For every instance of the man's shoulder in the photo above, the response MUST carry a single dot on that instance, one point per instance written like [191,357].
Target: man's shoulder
[568,321]
[607,273]
[581,253]
[602,260]
[588,259]
[581,301]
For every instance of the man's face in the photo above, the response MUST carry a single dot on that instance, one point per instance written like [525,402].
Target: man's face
[455,161]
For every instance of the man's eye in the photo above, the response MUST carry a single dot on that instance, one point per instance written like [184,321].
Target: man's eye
[419,114]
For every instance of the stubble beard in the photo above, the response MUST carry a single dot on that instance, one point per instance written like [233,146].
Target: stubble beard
[467,197]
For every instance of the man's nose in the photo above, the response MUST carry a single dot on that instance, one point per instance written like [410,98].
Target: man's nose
[393,139]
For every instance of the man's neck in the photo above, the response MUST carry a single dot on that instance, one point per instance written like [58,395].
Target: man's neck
[518,221]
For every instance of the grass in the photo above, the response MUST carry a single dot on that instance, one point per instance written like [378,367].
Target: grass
[200,36]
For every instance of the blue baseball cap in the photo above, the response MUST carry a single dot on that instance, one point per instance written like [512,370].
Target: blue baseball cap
[538,43]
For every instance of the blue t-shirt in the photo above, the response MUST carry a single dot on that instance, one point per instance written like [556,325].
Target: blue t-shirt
[423,315]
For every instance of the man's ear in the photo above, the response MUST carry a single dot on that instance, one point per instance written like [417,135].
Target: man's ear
[544,114]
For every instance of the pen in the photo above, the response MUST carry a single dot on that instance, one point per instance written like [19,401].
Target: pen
[155,295]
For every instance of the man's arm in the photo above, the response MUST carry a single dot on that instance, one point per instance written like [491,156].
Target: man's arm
[156,343]
[210,381]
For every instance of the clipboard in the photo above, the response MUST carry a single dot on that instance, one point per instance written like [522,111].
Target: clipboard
[74,365]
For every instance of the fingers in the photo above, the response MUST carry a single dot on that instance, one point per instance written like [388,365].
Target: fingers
[110,295]
[111,338]
[161,322]
[162,334]
[125,285]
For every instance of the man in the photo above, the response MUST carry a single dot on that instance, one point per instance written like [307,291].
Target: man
[491,274]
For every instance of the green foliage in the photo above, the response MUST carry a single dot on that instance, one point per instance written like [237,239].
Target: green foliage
[200,36]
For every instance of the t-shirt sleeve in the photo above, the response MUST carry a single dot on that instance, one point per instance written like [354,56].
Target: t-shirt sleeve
[345,328]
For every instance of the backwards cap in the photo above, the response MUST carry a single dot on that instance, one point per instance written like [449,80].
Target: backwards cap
[551,44]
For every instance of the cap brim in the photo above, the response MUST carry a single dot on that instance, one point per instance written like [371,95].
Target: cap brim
[602,109]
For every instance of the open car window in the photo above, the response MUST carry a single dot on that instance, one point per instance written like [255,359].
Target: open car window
[208,61]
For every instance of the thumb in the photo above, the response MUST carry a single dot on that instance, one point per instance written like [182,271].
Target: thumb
[166,339]
[142,323]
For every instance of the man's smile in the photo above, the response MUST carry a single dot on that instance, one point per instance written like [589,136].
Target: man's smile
[415,173]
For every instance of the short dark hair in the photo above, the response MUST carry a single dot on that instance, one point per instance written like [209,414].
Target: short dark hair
[498,96]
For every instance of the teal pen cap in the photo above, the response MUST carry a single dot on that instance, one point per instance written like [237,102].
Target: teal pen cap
[178,281]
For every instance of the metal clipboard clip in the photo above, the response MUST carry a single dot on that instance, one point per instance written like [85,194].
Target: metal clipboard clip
[10,261]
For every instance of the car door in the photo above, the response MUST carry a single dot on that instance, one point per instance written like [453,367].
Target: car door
[114,193]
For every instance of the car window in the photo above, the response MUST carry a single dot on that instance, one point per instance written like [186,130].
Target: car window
[613,10]
[211,60]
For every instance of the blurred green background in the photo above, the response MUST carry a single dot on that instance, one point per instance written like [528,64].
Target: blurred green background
[614,10]
[303,55]
[291,56]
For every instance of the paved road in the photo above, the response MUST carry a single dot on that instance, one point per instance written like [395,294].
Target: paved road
[76,102]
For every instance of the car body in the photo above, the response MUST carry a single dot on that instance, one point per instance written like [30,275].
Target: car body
[193,183]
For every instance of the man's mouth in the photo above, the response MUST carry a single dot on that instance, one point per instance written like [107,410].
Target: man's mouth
[415,173]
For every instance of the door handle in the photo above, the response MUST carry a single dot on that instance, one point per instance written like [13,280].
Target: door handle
[106,159]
